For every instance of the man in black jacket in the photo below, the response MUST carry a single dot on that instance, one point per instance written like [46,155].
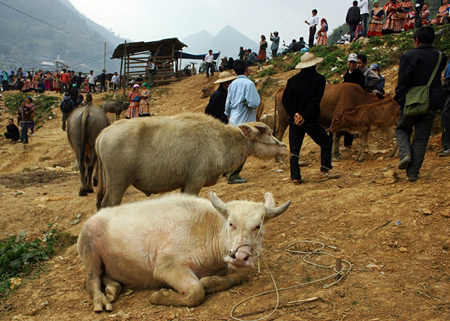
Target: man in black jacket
[102,80]
[352,19]
[301,99]
[355,76]
[416,67]
[216,106]
[12,132]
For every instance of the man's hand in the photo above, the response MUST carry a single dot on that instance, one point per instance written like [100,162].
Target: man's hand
[298,119]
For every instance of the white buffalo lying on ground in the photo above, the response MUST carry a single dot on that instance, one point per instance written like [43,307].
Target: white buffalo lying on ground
[187,151]
[192,245]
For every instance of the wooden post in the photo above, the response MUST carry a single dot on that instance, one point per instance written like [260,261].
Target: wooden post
[125,69]
[104,57]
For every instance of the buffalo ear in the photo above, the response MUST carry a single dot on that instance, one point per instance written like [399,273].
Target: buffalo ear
[247,131]
[380,96]
[269,201]
[262,128]
[220,206]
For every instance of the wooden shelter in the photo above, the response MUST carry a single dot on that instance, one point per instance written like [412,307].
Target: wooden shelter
[135,57]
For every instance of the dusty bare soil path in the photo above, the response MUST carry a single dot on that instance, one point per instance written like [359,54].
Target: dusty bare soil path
[395,233]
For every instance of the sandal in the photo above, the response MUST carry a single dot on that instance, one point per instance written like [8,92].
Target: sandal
[297,181]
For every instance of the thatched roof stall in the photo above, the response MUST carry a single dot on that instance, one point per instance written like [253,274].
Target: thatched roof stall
[136,55]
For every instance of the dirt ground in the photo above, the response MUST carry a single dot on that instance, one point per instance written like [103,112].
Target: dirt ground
[395,233]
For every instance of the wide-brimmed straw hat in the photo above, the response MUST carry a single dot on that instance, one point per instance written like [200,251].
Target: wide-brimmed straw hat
[224,77]
[308,60]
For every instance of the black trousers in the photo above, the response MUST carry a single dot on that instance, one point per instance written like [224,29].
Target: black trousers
[312,33]
[445,117]
[352,28]
[319,135]
[417,148]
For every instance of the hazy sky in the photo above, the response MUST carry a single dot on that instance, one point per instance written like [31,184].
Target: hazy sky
[148,20]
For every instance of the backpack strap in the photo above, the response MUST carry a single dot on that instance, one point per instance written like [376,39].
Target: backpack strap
[435,69]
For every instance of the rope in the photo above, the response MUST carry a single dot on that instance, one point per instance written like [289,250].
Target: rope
[343,272]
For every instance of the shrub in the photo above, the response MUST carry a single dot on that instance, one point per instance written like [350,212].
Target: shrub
[266,72]
[19,257]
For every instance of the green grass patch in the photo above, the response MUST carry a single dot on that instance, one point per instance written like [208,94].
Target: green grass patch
[43,105]
[19,258]
[266,72]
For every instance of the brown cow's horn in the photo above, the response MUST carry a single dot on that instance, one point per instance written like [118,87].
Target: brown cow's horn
[274,212]
[218,204]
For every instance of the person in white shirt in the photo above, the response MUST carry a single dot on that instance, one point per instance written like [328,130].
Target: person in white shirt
[209,58]
[91,81]
[115,80]
[312,27]
[364,7]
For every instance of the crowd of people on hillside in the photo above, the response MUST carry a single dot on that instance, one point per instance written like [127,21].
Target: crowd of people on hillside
[394,17]
[61,82]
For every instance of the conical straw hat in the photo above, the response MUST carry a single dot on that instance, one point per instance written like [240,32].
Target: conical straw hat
[308,60]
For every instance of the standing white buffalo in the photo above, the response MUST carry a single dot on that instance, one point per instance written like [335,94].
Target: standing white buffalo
[192,245]
[187,151]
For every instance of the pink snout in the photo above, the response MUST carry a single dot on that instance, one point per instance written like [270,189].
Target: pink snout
[241,258]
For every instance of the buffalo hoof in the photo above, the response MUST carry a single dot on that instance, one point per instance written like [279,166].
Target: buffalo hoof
[95,182]
[82,193]
[90,190]
[337,158]
[360,160]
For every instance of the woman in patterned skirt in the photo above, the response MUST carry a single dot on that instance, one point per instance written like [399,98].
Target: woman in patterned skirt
[262,50]
[376,24]
[135,98]
[442,14]
[322,38]
[144,105]
[392,24]
[405,15]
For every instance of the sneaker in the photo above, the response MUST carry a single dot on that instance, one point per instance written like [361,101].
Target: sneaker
[413,179]
[404,162]
[445,152]
[238,180]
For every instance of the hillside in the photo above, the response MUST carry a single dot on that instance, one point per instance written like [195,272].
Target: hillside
[26,43]
[395,233]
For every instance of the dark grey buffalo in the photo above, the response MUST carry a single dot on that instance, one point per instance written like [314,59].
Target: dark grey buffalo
[115,106]
[83,127]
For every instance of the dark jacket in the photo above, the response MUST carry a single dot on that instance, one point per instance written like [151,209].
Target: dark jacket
[73,93]
[24,114]
[353,16]
[356,77]
[13,131]
[416,67]
[380,85]
[67,98]
[216,106]
[102,77]
[303,94]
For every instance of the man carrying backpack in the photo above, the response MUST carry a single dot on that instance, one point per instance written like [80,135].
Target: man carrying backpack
[66,107]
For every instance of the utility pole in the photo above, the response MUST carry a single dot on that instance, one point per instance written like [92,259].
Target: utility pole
[104,57]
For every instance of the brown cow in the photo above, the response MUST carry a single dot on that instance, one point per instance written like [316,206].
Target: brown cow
[336,98]
[364,118]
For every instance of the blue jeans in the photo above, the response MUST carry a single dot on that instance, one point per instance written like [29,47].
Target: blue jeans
[365,17]
[209,67]
[24,132]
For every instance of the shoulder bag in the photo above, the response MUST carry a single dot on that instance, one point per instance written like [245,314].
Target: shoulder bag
[417,100]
